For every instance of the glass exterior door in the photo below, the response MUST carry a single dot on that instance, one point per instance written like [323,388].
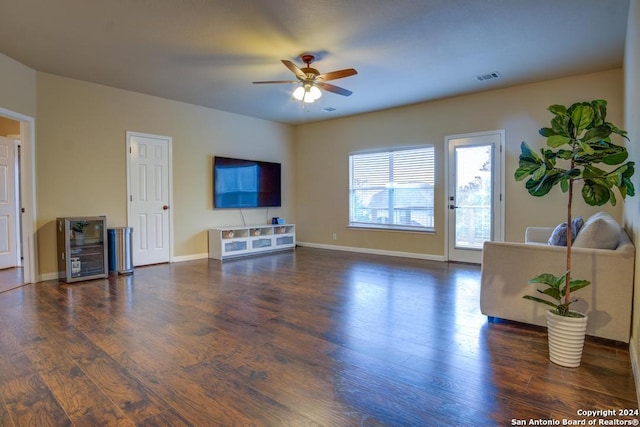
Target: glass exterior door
[474,203]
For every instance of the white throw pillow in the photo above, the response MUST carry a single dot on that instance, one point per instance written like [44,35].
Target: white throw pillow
[600,231]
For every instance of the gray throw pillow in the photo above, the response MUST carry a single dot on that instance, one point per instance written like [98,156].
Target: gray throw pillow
[600,231]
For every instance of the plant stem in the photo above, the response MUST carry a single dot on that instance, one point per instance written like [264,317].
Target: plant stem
[567,288]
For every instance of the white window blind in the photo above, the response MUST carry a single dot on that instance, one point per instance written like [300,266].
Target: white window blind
[392,189]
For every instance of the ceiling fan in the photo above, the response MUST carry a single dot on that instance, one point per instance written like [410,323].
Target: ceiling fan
[312,80]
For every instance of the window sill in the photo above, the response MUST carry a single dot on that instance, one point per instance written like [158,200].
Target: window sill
[397,228]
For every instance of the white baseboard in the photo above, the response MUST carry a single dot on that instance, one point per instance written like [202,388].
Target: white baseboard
[190,257]
[48,276]
[373,251]
[635,366]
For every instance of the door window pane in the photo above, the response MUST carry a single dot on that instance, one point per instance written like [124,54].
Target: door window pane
[473,198]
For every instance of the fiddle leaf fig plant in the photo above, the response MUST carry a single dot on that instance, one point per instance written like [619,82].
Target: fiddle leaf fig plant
[578,149]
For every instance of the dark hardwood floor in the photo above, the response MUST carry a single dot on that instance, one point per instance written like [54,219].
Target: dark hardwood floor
[304,338]
[10,278]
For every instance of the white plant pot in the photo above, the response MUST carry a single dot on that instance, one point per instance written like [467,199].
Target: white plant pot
[566,339]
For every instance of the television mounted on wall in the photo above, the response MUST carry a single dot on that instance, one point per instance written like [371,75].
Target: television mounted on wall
[241,183]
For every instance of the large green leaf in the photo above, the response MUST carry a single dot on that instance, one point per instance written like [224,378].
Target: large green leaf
[604,152]
[630,170]
[582,116]
[586,148]
[596,134]
[558,109]
[560,125]
[536,299]
[628,186]
[529,162]
[595,194]
[526,153]
[576,284]
[546,132]
[612,180]
[616,157]
[591,171]
[555,141]
[539,188]
[539,173]
[614,129]
[619,171]
[620,177]
[564,154]
[549,279]
[622,188]
[573,173]
[523,172]
[549,155]
[612,197]
[554,293]
[599,110]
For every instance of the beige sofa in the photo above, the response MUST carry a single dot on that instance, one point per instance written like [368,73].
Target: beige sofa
[507,267]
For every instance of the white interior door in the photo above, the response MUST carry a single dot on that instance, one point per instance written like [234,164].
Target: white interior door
[149,180]
[474,194]
[9,235]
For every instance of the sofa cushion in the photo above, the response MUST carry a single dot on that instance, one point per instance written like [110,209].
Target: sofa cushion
[559,235]
[600,231]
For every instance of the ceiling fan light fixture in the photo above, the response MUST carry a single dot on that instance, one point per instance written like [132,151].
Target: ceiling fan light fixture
[307,93]
[315,93]
[299,93]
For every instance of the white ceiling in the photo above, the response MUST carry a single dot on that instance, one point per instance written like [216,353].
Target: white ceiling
[207,52]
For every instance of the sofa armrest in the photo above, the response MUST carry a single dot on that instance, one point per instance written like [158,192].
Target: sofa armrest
[538,235]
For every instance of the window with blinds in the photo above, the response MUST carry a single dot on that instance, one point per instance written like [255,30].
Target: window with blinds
[392,189]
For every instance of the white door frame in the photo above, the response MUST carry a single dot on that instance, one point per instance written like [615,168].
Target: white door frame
[169,139]
[499,172]
[28,216]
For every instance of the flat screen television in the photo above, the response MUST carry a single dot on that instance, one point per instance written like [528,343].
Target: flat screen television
[240,183]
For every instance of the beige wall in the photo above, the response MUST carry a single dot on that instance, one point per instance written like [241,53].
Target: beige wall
[632,125]
[322,151]
[17,86]
[81,159]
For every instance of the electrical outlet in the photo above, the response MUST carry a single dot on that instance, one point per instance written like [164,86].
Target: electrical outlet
[335,236]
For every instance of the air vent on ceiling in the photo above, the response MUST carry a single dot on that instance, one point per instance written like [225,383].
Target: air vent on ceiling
[489,76]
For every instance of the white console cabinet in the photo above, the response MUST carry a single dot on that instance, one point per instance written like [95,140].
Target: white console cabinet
[234,241]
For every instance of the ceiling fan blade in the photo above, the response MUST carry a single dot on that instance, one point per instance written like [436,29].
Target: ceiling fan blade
[340,74]
[294,68]
[333,88]
[276,81]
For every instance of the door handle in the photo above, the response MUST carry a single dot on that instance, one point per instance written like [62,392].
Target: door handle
[453,207]
[165,207]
